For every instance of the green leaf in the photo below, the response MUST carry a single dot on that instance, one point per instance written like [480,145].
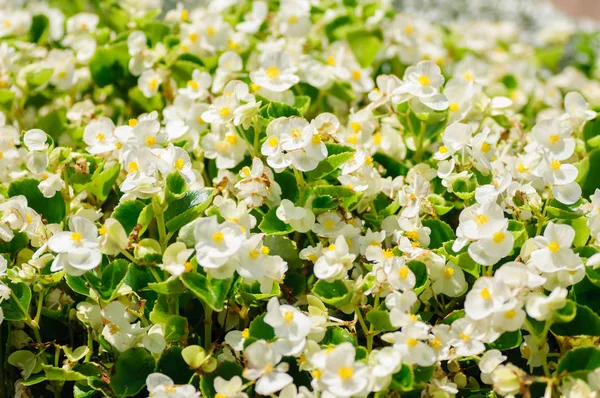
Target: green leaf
[302,103]
[11,308]
[176,329]
[365,46]
[336,293]
[453,316]
[260,330]
[507,341]
[323,204]
[102,182]
[423,373]
[175,186]
[342,90]
[420,270]
[6,97]
[338,155]
[272,225]
[393,168]
[285,248]
[131,370]
[60,374]
[380,320]
[156,31]
[127,213]
[211,292]
[578,359]
[110,64]
[585,322]
[251,293]
[40,29]
[113,276]
[226,370]
[337,335]
[38,77]
[187,208]
[403,379]
[171,286]
[25,360]
[347,197]
[441,232]
[519,232]
[183,69]
[278,109]
[51,209]
[591,130]
[171,363]
[582,232]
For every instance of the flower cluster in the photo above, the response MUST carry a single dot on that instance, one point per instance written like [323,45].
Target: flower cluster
[296,199]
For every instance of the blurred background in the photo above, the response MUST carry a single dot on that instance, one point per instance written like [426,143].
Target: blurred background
[580,8]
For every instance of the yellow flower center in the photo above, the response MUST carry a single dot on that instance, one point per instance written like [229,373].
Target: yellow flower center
[288,316]
[184,15]
[555,165]
[443,149]
[331,61]
[554,246]
[356,74]
[193,37]
[403,273]
[464,337]
[377,138]
[316,139]
[113,328]
[521,168]
[481,219]
[553,139]
[224,112]
[272,72]
[316,374]
[485,147]
[453,107]
[329,225]
[424,80]
[150,140]
[265,250]
[193,84]
[510,314]
[210,31]
[218,237]
[312,257]
[409,29]
[76,237]
[435,343]
[388,253]
[132,167]
[346,373]
[499,237]
[246,333]
[485,294]
[273,142]
[448,272]
[412,235]
[245,172]
[296,133]
[331,247]
[352,139]
[355,127]
[102,230]
[179,163]
[253,254]
[468,76]
[231,138]
[29,218]
[100,137]
[132,122]
[412,342]
[153,83]
[292,20]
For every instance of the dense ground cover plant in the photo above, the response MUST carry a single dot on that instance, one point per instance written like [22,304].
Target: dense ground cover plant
[295,199]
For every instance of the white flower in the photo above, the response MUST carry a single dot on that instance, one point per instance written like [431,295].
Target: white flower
[577,110]
[35,140]
[252,20]
[216,244]
[232,388]
[161,386]
[542,307]
[411,344]
[488,362]
[487,296]
[555,138]
[342,376]
[51,184]
[113,238]
[264,367]
[299,218]
[175,259]
[78,249]
[335,261]
[490,250]
[291,327]
[448,279]
[276,72]
[554,248]
[258,185]
[412,196]
[506,379]
[149,82]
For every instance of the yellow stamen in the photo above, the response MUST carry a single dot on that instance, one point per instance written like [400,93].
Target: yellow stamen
[218,237]
[485,294]
[346,373]
[453,107]
[403,273]
[412,342]
[272,72]
[179,163]
[448,272]
[553,139]
[288,316]
[481,219]
[554,246]
[150,140]
[224,112]
[273,142]
[424,80]
[499,237]
[132,122]
[132,167]
[510,314]
[76,237]
[555,165]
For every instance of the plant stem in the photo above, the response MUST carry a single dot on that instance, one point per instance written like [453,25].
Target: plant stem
[30,322]
[420,141]
[207,327]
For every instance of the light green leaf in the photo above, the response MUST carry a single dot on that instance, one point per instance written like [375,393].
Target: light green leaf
[212,293]
[131,370]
